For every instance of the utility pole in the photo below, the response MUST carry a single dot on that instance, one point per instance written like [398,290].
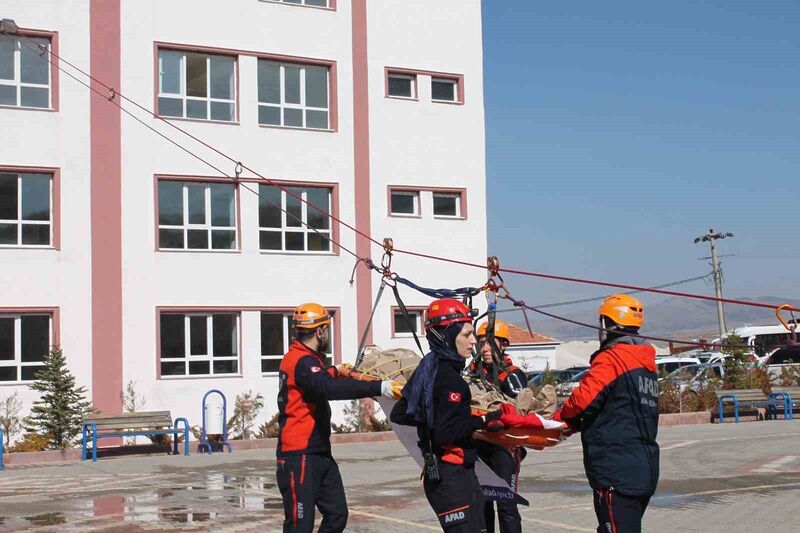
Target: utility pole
[711,237]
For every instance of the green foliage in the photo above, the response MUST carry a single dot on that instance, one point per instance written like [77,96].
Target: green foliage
[789,376]
[62,406]
[245,412]
[269,429]
[359,418]
[10,420]
[549,377]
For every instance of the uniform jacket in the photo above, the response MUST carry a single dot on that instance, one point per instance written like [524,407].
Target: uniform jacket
[512,380]
[616,408]
[453,423]
[306,386]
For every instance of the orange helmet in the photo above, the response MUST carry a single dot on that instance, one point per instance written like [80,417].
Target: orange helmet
[500,330]
[310,316]
[623,310]
[442,313]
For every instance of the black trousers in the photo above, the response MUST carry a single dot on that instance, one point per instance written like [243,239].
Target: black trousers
[505,463]
[457,499]
[308,481]
[617,513]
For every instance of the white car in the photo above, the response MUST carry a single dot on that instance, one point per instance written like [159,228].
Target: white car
[669,364]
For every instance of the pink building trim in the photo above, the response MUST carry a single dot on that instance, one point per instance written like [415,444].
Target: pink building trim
[56,195]
[361,162]
[106,208]
[460,191]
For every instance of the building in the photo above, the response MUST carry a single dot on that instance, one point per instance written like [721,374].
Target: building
[147,265]
[531,351]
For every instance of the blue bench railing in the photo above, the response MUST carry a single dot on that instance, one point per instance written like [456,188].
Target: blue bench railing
[770,403]
[91,428]
[786,398]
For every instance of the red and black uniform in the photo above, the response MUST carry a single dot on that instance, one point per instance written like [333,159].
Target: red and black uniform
[512,379]
[616,409]
[505,462]
[458,498]
[307,474]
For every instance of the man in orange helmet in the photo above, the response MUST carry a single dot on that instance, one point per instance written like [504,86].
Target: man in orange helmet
[498,369]
[615,408]
[307,474]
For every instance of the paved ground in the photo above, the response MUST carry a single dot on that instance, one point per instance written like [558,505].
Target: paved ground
[729,478]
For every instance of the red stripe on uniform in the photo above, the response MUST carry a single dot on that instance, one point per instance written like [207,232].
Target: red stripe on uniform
[454,510]
[294,499]
[611,512]
[302,469]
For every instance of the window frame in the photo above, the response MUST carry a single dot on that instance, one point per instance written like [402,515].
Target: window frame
[54,336]
[188,313]
[286,313]
[458,79]
[55,207]
[455,83]
[333,210]
[184,50]
[302,86]
[459,193]
[406,75]
[412,309]
[200,180]
[331,4]
[53,71]
[455,196]
[406,192]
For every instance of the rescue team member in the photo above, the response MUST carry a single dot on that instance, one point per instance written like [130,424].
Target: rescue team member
[505,462]
[615,408]
[307,474]
[437,401]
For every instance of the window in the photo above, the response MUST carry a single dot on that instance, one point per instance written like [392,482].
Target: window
[24,72]
[276,336]
[25,341]
[444,90]
[402,85]
[446,205]
[290,230]
[293,95]
[404,203]
[199,344]
[196,216]
[400,326]
[26,217]
[196,85]
[315,3]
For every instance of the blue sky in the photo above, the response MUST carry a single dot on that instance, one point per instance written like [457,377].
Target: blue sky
[618,131]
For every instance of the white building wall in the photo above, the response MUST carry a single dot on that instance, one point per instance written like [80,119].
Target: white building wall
[411,143]
[40,138]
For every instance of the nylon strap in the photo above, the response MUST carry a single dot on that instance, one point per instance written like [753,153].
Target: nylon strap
[411,326]
[363,344]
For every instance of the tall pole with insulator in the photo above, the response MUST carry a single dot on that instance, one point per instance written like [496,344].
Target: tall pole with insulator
[711,237]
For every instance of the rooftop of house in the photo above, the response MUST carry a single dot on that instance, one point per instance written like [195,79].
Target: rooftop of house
[520,335]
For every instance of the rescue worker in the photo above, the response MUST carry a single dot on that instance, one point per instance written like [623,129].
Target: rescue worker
[307,474]
[436,400]
[615,408]
[505,462]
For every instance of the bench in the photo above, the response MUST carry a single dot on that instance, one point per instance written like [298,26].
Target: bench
[130,425]
[752,398]
[790,396]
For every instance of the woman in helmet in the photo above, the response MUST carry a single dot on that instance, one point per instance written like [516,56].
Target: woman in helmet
[615,408]
[505,462]
[437,401]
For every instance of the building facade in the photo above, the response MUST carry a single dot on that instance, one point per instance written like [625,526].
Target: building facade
[152,263]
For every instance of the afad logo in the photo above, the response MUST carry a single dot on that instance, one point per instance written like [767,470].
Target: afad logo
[454,397]
[452,517]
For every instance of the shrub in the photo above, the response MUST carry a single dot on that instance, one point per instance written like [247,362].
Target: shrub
[245,412]
[269,429]
[32,442]
[10,421]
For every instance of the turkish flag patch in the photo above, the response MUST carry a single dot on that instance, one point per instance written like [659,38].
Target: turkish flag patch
[454,397]
[315,369]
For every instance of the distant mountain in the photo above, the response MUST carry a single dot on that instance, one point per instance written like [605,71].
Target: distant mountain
[672,317]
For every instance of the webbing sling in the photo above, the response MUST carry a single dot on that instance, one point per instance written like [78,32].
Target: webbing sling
[362,345]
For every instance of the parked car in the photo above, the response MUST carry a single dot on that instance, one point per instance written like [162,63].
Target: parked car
[560,375]
[533,373]
[669,364]
[693,377]
[565,388]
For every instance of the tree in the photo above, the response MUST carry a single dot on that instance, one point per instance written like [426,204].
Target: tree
[245,412]
[10,421]
[62,407]
[132,402]
[740,373]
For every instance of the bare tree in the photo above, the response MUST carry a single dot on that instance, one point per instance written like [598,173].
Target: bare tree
[10,420]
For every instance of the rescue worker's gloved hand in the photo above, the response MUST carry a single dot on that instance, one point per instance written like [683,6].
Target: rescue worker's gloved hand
[568,429]
[391,390]
[492,421]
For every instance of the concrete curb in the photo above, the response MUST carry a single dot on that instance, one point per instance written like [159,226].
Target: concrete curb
[680,419]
